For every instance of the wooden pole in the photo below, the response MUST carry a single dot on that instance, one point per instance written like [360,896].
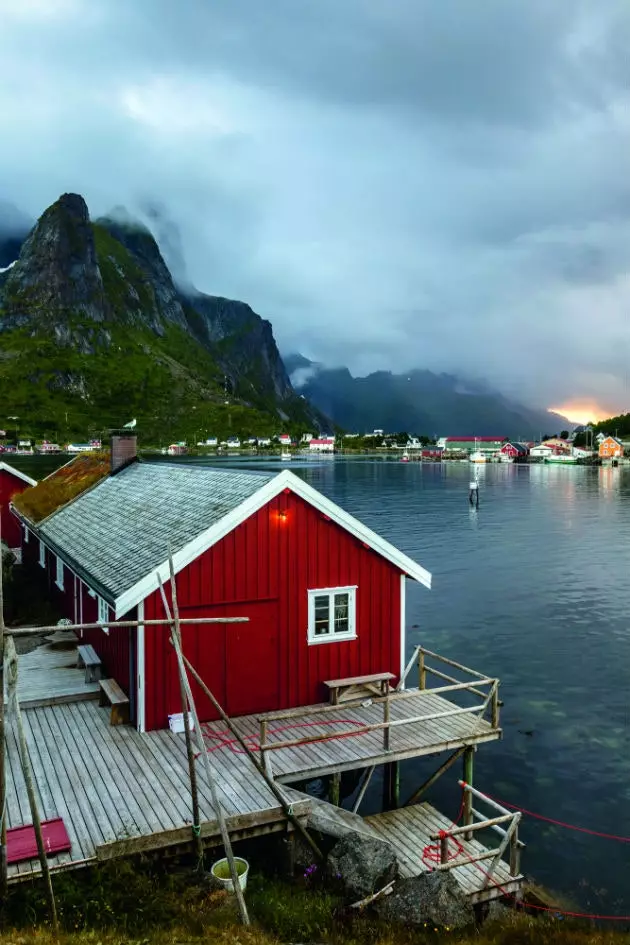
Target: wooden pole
[28,781]
[366,780]
[334,790]
[3,777]
[422,673]
[32,631]
[391,785]
[227,844]
[469,753]
[259,765]
[192,771]
[415,797]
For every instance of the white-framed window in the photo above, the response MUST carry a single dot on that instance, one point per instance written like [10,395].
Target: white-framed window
[42,554]
[332,614]
[103,613]
[59,576]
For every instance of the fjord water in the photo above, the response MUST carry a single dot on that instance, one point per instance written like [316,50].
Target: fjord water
[533,588]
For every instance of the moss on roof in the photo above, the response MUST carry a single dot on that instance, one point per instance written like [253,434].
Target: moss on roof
[62,486]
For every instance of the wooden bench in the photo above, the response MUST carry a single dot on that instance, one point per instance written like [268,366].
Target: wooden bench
[111,694]
[344,690]
[88,657]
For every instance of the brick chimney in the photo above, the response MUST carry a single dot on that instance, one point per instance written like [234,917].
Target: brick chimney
[124,450]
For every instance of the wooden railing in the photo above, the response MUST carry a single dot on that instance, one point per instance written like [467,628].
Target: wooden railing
[505,824]
[474,685]
[484,689]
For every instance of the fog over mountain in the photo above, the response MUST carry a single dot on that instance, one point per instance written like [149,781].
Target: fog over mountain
[394,185]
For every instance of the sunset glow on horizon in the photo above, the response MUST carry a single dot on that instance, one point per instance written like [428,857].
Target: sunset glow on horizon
[581,411]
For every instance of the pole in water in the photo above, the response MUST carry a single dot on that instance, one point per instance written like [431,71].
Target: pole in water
[473,494]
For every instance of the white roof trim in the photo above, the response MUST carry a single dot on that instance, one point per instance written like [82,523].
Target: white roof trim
[267,492]
[16,472]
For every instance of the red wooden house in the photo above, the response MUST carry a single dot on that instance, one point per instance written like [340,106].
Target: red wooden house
[513,450]
[325,595]
[12,483]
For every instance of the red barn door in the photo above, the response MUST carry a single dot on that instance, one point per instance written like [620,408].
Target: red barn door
[237,661]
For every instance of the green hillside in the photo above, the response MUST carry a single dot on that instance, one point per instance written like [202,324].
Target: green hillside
[94,333]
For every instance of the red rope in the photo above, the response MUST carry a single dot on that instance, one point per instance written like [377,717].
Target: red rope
[433,853]
[495,885]
[221,739]
[560,823]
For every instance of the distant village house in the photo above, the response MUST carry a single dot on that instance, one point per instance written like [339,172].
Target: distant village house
[611,448]
[323,444]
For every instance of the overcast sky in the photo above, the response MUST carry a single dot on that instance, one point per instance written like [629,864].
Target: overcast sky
[393,183]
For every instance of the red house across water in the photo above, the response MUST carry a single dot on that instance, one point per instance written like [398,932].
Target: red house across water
[324,594]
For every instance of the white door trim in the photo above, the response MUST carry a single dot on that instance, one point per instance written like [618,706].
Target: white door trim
[403,627]
[140,671]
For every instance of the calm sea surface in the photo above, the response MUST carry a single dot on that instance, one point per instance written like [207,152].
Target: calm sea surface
[534,588]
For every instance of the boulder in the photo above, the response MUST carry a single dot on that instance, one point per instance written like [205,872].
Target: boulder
[361,865]
[435,899]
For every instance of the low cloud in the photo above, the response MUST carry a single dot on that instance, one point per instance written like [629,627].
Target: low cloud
[395,185]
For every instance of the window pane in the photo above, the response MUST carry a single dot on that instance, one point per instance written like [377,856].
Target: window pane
[342,616]
[322,615]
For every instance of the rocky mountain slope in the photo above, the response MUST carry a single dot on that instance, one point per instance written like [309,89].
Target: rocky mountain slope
[93,331]
[418,402]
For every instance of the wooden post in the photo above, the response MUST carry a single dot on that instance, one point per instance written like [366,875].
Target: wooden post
[3,776]
[469,753]
[386,721]
[444,849]
[227,844]
[495,705]
[28,781]
[334,791]
[192,771]
[422,673]
[263,739]
[391,785]
[515,854]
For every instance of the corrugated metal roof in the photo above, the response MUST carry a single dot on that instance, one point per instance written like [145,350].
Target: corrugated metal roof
[120,530]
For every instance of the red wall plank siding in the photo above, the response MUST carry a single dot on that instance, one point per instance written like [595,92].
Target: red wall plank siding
[263,570]
[11,528]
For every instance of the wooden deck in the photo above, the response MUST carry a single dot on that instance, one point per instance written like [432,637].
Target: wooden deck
[120,792]
[341,749]
[48,676]
[409,830]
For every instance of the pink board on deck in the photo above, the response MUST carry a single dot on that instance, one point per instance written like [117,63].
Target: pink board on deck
[22,845]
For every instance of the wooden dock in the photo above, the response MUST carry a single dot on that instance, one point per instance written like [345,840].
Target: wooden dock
[340,744]
[410,830]
[48,675]
[122,792]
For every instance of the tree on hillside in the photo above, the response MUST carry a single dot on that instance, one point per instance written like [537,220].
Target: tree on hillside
[564,434]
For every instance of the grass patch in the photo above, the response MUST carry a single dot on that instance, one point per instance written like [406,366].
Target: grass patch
[63,485]
[141,902]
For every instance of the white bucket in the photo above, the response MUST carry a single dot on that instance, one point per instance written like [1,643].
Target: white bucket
[221,872]
[176,722]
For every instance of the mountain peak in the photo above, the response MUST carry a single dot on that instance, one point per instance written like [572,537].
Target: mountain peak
[93,327]
[57,269]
